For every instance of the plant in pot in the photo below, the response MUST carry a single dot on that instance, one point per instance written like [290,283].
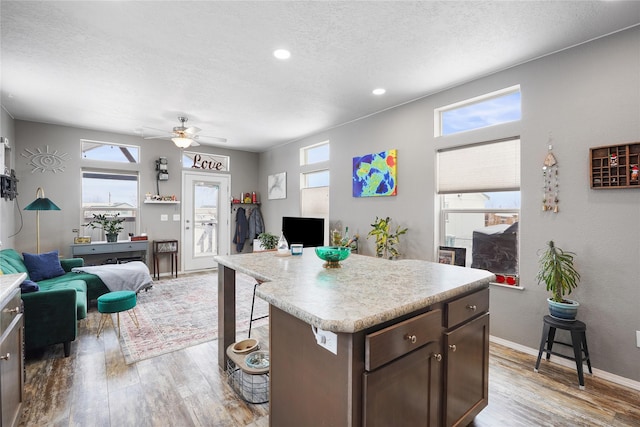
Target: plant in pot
[557,271]
[111,225]
[268,241]
[386,241]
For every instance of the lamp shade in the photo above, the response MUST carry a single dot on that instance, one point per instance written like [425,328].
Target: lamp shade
[182,142]
[42,204]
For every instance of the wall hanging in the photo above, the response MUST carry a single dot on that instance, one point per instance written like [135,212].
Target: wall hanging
[375,174]
[46,160]
[551,187]
[277,186]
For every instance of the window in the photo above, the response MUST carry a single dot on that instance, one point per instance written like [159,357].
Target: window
[109,152]
[314,184]
[479,190]
[314,153]
[487,110]
[110,193]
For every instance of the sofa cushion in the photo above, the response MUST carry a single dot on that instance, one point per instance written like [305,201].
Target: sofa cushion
[43,266]
[78,285]
[11,262]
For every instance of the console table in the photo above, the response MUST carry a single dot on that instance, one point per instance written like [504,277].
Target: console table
[138,248]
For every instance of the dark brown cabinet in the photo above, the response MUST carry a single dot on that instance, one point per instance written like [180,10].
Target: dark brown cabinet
[406,391]
[466,358]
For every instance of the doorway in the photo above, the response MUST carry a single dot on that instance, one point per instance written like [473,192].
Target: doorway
[205,219]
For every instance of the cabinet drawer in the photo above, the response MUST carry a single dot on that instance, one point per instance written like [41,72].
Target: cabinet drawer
[131,246]
[394,341]
[465,308]
[10,310]
[92,249]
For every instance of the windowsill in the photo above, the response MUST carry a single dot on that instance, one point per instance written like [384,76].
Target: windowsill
[517,288]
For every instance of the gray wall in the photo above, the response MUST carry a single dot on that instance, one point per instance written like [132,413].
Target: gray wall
[7,207]
[64,187]
[584,97]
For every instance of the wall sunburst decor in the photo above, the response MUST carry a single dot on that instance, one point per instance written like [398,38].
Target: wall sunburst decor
[45,160]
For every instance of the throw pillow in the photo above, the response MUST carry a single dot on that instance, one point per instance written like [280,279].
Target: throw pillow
[29,286]
[43,266]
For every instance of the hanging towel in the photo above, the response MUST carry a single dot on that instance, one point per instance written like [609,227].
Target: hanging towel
[242,229]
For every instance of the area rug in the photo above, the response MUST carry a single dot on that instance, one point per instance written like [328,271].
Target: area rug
[182,312]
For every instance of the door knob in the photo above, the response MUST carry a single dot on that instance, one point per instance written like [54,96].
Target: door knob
[437,357]
[411,338]
[452,347]
[5,357]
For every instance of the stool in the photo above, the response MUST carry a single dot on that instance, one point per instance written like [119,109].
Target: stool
[578,342]
[253,302]
[115,302]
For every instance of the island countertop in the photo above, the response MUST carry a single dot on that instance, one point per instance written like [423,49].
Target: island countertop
[365,292]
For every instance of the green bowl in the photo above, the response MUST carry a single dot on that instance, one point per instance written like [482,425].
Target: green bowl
[332,255]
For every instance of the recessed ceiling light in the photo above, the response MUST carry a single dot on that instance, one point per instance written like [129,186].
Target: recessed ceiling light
[379,91]
[282,53]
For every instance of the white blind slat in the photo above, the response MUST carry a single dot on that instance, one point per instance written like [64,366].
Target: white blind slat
[480,168]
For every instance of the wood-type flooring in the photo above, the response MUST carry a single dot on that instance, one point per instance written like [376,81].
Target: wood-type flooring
[94,387]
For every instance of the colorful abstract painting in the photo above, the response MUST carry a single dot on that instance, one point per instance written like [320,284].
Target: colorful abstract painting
[375,174]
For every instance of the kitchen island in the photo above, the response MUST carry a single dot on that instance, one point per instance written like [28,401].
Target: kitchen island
[354,345]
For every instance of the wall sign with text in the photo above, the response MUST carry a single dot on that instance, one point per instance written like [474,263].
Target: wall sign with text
[205,162]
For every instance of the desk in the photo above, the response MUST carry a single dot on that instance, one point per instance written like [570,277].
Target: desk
[160,247]
[103,248]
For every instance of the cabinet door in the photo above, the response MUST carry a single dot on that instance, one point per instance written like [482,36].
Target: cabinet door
[11,374]
[405,392]
[466,384]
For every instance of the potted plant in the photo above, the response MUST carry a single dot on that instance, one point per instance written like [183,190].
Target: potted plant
[111,226]
[386,241]
[557,271]
[268,241]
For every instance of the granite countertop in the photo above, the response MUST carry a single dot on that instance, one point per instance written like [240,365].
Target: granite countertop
[365,292]
[9,282]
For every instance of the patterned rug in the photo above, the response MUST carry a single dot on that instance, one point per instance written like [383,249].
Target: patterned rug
[182,312]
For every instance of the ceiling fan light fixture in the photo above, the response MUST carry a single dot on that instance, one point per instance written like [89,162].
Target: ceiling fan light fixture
[182,142]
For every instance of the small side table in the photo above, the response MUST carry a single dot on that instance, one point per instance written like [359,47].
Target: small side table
[161,247]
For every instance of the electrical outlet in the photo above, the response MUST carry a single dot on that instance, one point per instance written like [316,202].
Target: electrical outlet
[164,217]
[326,339]
[176,217]
[638,339]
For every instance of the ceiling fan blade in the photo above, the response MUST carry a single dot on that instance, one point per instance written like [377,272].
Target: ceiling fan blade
[192,129]
[213,138]
[194,143]
[158,137]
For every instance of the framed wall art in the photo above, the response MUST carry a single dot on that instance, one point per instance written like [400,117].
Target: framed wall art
[277,186]
[375,174]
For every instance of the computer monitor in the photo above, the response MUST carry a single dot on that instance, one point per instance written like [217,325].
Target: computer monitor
[306,231]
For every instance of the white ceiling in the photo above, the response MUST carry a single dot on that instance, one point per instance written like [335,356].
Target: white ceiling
[120,66]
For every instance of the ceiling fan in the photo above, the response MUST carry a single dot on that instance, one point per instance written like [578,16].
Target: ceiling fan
[184,136]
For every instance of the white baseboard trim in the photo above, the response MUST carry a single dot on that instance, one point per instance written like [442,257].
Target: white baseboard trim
[626,382]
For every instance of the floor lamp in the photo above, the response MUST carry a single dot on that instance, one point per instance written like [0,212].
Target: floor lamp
[41,203]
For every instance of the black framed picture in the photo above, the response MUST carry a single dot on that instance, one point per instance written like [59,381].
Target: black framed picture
[459,255]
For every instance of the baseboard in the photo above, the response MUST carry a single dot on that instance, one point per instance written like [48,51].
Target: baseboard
[626,382]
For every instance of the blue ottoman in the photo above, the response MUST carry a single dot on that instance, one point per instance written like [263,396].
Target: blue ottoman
[115,302]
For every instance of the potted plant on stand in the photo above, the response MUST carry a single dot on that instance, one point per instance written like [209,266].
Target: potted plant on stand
[560,277]
[386,241]
[112,226]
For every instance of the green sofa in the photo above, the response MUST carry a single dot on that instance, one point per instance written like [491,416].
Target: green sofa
[51,314]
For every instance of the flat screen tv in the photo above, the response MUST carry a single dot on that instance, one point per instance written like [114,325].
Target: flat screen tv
[308,231]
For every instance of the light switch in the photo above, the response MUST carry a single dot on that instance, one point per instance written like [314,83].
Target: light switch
[164,217]
[176,217]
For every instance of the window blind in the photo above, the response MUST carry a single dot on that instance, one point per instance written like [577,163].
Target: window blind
[492,166]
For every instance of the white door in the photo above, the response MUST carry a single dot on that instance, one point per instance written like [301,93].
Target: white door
[205,218]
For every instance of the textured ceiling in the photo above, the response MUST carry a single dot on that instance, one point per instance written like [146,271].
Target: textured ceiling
[122,66]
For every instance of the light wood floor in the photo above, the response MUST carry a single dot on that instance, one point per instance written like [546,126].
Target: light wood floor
[94,387]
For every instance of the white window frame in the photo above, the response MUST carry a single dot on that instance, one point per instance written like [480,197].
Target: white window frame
[438,112]
[304,153]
